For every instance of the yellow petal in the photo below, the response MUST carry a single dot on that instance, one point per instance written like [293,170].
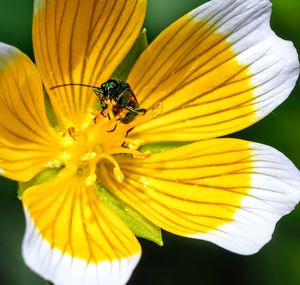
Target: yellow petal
[27,141]
[227,191]
[82,42]
[72,238]
[217,70]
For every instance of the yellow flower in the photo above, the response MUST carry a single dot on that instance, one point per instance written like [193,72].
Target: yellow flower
[215,71]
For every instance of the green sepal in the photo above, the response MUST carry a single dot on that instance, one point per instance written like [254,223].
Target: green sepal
[49,111]
[42,177]
[125,66]
[161,146]
[138,224]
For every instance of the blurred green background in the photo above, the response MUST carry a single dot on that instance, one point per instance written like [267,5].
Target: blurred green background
[180,261]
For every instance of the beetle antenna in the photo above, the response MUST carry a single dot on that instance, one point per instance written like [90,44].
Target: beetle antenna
[77,84]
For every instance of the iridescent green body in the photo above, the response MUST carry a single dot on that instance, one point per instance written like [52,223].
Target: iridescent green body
[120,93]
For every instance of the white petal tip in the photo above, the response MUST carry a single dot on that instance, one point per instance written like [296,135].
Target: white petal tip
[275,191]
[62,269]
[273,62]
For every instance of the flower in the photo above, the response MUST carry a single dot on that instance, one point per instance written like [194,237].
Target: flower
[215,71]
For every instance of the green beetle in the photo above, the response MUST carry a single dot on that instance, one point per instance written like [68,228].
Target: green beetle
[119,94]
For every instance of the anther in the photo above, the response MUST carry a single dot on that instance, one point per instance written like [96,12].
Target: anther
[90,180]
[135,153]
[117,171]
[156,109]
[118,174]
[113,129]
[88,156]
[73,133]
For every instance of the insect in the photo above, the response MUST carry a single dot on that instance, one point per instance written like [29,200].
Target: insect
[117,97]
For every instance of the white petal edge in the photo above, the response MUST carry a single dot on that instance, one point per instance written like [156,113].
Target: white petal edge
[273,61]
[275,192]
[63,269]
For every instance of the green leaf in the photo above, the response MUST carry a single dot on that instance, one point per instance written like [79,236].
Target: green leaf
[138,224]
[161,146]
[125,66]
[42,177]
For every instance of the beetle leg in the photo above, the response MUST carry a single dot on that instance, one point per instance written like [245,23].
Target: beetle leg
[105,112]
[136,111]
[108,107]
[128,132]
[122,114]
[110,131]
[130,109]
[144,111]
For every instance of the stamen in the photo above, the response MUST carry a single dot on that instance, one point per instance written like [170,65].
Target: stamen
[135,153]
[117,171]
[118,175]
[88,156]
[133,143]
[73,133]
[90,180]
[142,155]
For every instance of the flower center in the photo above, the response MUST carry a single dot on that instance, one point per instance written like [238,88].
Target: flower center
[106,137]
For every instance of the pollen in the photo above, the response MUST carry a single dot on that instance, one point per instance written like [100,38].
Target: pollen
[53,164]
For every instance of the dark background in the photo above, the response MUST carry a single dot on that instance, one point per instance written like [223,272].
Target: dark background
[180,261]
